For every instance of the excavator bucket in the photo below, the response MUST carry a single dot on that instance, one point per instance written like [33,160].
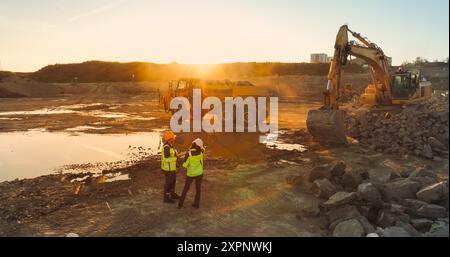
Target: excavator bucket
[327,126]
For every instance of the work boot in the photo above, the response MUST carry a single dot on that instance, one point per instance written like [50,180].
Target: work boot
[175,196]
[195,205]
[167,199]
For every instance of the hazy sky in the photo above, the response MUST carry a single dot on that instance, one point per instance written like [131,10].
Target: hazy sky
[34,33]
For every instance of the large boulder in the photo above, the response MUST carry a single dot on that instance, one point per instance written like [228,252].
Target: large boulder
[352,178]
[380,176]
[423,209]
[427,152]
[399,189]
[394,231]
[436,145]
[424,181]
[369,211]
[433,193]
[319,172]
[337,169]
[369,193]
[343,212]
[388,217]
[328,171]
[368,228]
[349,228]
[423,172]
[412,204]
[431,211]
[409,228]
[421,223]
[438,229]
[309,207]
[323,188]
[339,198]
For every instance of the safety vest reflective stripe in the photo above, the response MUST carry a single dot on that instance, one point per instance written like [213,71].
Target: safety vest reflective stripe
[194,165]
[169,163]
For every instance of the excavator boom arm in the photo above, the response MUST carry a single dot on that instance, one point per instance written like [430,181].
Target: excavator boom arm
[369,52]
[334,74]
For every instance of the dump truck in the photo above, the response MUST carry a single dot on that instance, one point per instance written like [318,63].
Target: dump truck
[217,88]
[232,144]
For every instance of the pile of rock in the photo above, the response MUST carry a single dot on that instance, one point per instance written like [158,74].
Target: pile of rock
[421,129]
[356,203]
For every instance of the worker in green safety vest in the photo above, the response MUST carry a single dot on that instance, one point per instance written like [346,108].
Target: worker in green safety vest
[169,167]
[193,162]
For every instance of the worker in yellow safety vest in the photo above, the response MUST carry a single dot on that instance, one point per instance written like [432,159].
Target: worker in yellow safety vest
[169,167]
[193,162]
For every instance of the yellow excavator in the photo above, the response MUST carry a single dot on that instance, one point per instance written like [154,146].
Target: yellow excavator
[388,87]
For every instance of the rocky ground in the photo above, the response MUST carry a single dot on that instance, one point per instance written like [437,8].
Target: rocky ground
[359,202]
[420,129]
[408,196]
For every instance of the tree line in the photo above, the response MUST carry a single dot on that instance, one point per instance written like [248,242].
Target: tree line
[97,71]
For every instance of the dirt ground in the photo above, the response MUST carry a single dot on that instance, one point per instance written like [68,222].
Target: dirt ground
[240,197]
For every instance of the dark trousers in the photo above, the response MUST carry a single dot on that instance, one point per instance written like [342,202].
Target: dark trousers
[169,185]
[198,189]
[326,98]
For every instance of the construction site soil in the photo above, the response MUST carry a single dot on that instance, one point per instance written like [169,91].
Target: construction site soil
[293,187]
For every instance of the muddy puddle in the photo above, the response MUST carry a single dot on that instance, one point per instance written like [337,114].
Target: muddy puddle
[84,128]
[37,152]
[45,111]
[100,110]
[272,141]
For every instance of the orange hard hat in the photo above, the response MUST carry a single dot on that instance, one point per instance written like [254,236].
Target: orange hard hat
[169,135]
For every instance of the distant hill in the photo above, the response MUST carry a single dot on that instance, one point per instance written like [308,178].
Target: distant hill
[5,74]
[8,94]
[97,71]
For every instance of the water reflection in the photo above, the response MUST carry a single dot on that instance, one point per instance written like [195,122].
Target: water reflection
[36,152]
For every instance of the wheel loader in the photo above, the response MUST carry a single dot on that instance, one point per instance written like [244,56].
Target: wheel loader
[388,87]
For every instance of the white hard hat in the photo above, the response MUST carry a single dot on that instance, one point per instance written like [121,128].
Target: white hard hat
[198,142]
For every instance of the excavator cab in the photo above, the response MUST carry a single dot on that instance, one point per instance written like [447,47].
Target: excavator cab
[408,87]
[404,85]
